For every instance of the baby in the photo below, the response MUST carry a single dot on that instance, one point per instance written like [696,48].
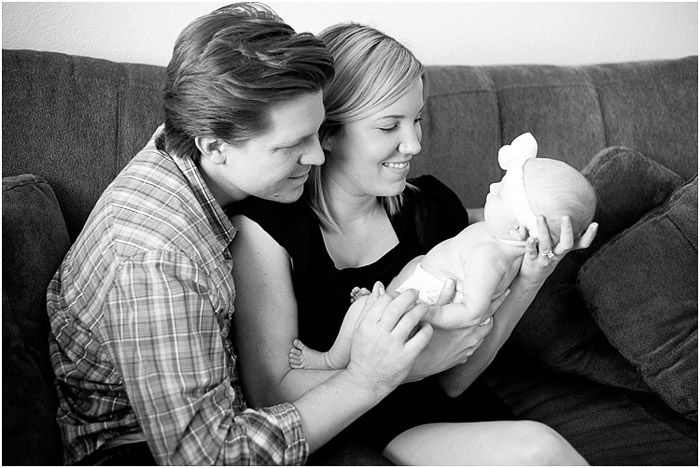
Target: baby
[485,257]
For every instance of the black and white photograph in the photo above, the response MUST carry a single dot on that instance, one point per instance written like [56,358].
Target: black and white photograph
[440,233]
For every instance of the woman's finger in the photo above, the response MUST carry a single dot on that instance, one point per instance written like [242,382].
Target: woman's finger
[497,302]
[447,293]
[544,241]
[566,237]
[531,248]
[587,238]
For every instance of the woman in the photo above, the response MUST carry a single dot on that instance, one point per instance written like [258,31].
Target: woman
[360,221]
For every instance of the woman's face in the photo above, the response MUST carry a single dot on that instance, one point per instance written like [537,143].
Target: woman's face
[371,156]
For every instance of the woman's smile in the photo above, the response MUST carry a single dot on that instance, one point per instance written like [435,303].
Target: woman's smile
[397,166]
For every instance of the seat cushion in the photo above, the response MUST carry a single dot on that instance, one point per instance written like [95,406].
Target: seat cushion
[607,425]
[641,289]
[34,241]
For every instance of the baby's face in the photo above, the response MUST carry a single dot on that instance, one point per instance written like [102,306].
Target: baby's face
[498,210]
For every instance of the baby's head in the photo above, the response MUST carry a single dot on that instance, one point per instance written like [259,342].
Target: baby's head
[555,189]
[537,186]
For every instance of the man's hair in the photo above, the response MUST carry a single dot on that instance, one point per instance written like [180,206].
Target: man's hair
[229,67]
[555,189]
[372,70]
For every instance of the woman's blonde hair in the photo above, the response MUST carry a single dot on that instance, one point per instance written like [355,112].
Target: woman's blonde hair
[372,70]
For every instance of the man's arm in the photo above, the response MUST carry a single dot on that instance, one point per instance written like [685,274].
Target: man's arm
[167,343]
[168,346]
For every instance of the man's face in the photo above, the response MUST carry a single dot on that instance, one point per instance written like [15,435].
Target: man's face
[275,163]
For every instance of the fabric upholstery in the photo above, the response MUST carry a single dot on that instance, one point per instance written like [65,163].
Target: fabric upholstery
[95,115]
[641,288]
[607,425]
[573,112]
[34,241]
[76,121]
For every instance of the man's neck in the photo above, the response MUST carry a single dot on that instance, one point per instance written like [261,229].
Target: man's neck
[222,196]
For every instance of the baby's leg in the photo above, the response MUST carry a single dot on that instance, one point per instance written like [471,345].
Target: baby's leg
[482,443]
[303,357]
[338,357]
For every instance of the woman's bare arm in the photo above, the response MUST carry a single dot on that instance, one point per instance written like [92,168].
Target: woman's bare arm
[265,321]
[384,346]
[533,273]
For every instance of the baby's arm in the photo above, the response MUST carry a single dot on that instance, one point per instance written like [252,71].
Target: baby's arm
[338,356]
[482,283]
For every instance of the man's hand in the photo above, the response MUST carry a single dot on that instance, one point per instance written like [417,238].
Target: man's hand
[384,346]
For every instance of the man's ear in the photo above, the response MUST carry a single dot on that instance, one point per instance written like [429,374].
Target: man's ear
[211,148]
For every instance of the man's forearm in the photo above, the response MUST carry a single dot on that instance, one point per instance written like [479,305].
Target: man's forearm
[345,396]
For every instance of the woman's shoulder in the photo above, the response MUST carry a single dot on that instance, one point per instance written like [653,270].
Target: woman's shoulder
[434,208]
[430,193]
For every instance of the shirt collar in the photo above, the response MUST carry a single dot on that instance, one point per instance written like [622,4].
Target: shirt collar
[220,223]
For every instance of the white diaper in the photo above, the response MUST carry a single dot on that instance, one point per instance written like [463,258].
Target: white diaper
[427,285]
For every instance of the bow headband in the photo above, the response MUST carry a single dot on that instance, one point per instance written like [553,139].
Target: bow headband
[512,158]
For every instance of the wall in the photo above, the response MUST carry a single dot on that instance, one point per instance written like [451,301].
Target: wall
[438,32]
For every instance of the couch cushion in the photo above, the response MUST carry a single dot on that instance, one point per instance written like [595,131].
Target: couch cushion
[34,241]
[557,331]
[608,426]
[641,288]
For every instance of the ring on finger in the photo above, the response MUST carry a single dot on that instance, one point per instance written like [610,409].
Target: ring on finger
[548,253]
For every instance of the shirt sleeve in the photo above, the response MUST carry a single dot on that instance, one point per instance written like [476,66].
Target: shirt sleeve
[167,342]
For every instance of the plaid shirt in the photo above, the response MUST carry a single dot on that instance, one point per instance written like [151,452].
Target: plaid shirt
[140,313]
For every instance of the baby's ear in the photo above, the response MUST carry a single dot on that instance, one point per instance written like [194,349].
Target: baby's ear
[519,233]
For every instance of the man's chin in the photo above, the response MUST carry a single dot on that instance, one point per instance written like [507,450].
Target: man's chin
[289,196]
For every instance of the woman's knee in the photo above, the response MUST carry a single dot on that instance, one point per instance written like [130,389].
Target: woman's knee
[539,444]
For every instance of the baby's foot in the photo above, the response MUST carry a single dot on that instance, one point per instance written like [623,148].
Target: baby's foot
[303,357]
[358,292]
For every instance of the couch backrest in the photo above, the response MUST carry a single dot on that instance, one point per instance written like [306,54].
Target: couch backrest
[76,121]
[573,112]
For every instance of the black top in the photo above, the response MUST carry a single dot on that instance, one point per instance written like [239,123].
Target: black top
[429,215]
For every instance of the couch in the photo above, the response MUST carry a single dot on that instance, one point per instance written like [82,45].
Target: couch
[70,123]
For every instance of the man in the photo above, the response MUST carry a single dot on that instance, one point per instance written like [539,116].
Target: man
[140,308]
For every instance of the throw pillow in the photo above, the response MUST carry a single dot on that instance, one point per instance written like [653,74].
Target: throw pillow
[34,240]
[642,290]
[557,331]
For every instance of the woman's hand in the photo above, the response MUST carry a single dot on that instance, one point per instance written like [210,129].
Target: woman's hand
[456,335]
[541,258]
[384,345]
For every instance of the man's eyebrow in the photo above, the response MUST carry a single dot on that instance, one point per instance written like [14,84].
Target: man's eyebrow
[291,144]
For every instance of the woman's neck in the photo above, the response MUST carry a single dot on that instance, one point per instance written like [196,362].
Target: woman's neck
[347,207]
